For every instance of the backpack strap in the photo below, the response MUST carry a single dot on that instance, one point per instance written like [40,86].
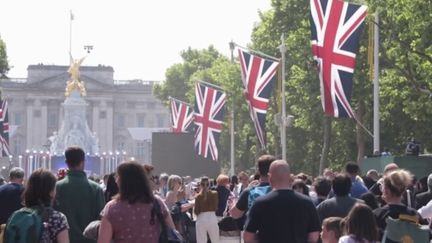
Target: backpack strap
[410,218]
[408,198]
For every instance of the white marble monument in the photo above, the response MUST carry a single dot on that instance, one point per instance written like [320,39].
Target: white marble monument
[74,129]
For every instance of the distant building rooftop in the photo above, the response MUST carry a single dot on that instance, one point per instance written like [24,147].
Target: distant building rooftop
[61,67]
[39,72]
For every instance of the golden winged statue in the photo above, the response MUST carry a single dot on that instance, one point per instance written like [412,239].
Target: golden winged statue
[75,83]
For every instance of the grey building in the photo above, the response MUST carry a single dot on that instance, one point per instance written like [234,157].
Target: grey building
[118,111]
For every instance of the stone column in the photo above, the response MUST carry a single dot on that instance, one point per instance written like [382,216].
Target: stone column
[29,123]
[43,136]
[110,124]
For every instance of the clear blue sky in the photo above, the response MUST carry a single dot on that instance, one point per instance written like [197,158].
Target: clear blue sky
[139,39]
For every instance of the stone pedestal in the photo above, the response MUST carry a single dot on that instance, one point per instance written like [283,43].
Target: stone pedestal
[74,129]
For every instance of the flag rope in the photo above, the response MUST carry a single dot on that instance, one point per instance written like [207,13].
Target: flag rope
[362,126]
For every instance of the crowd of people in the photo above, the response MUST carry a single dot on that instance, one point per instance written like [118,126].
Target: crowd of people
[274,205]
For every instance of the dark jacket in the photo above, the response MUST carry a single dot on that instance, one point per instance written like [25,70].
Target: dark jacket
[10,200]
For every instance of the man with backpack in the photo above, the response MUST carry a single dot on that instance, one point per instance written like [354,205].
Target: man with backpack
[10,194]
[80,199]
[248,196]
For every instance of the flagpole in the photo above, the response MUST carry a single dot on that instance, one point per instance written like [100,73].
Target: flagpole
[376,114]
[282,49]
[258,52]
[232,139]
[70,33]
[171,98]
[212,85]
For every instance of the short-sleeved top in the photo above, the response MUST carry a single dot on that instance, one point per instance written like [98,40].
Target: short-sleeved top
[208,203]
[357,189]
[133,222]
[55,224]
[338,206]
[282,216]
[242,203]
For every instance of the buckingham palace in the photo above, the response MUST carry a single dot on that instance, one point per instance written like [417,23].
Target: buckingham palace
[121,114]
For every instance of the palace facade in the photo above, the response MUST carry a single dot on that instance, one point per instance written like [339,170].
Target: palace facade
[121,113]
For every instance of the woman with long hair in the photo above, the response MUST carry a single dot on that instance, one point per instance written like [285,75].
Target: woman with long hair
[39,195]
[206,204]
[360,226]
[130,216]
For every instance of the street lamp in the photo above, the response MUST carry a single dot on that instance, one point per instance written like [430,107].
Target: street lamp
[10,162]
[30,162]
[88,48]
[20,161]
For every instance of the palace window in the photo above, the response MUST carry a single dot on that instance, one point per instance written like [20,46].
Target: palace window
[37,113]
[140,120]
[120,120]
[102,114]
[52,120]
[17,119]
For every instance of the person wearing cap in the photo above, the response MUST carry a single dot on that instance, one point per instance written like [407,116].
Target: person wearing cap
[10,194]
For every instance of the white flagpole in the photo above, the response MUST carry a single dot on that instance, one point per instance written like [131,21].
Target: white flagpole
[180,101]
[214,86]
[70,33]
[258,53]
[232,155]
[283,122]
[376,113]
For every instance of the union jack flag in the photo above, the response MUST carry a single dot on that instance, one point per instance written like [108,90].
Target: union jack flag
[258,75]
[4,129]
[209,112]
[336,27]
[181,116]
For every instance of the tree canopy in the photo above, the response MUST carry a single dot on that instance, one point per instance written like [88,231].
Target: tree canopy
[4,64]
[405,87]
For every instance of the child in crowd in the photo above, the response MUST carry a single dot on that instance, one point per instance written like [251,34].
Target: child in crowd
[360,226]
[331,230]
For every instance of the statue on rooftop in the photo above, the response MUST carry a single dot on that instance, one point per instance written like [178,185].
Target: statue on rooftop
[75,83]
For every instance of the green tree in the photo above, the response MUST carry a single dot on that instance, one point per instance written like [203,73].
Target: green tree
[178,77]
[406,68]
[405,60]
[4,64]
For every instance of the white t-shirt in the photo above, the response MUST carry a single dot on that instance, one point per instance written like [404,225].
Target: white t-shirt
[426,211]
